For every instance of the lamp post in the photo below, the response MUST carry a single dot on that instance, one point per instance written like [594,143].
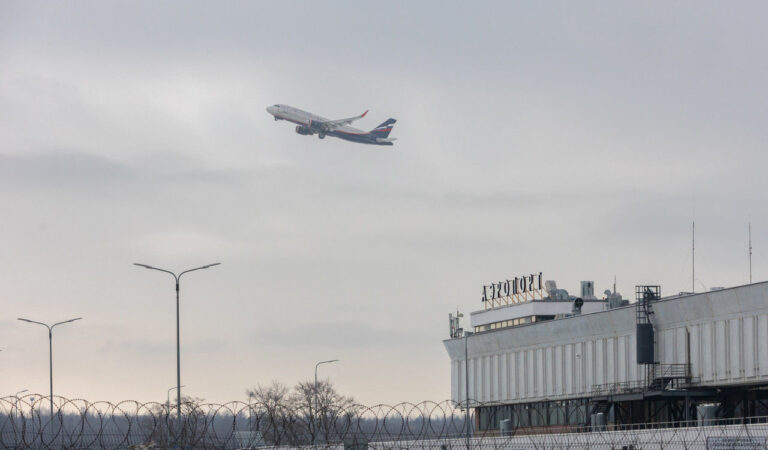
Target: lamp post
[50,350]
[467,334]
[178,347]
[168,397]
[250,412]
[168,402]
[16,407]
[316,365]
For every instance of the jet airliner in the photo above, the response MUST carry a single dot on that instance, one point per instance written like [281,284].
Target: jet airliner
[308,124]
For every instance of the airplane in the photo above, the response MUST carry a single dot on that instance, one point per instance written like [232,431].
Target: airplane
[309,124]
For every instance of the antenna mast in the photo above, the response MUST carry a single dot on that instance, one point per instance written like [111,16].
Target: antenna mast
[750,252]
[693,257]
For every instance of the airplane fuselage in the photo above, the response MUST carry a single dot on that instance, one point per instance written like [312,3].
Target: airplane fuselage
[310,124]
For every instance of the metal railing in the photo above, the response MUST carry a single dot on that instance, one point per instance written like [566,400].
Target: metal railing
[672,370]
[626,387]
[664,377]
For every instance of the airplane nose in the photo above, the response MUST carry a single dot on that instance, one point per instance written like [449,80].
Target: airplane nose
[271,109]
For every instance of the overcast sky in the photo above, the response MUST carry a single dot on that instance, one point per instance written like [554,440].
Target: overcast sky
[579,139]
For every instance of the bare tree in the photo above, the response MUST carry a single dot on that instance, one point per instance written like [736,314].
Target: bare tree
[166,431]
[321,410]
[271,407]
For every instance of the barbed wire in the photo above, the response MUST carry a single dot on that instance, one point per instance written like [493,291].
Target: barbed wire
[26,423]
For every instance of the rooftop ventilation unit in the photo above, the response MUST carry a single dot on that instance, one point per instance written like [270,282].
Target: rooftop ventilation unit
[588,290]
[554,292]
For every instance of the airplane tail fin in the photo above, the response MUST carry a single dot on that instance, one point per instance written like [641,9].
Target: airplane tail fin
[383,130]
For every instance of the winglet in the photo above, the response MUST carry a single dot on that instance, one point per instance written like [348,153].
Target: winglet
[363,115]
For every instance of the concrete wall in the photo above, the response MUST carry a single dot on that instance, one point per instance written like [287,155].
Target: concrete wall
[747,436]
[725,332]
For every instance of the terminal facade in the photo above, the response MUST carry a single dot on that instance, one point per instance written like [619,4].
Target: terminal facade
[658,359]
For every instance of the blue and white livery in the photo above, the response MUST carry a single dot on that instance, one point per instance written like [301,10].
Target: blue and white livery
[308,124]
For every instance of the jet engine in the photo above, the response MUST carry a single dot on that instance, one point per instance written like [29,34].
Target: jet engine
[303,130]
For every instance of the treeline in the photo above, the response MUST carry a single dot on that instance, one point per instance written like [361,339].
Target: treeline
[271,415]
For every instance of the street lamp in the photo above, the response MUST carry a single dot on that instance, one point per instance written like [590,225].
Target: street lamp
[316,365]
[168,397]
[250,411]
[467,334]
[50,349]
[16,406]
[168,402]
[16,396]
[178,350]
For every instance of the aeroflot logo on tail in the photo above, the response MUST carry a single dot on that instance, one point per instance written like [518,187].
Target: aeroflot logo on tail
[515,286]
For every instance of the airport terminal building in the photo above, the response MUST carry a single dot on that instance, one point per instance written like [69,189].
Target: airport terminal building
[548,360]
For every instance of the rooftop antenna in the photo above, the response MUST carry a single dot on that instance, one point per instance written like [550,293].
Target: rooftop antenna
[614,284]
[693,257]
[750,252]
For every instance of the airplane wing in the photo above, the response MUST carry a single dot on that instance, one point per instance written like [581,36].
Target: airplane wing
[333,124]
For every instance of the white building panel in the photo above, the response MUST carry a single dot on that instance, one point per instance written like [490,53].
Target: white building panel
[695,339]
[762,347]
[485,380]
[494,391]
[504,377]
[681,345]
[749,346]
[589,371]
[622,359]
[539,376]
[634,368]
[513,378]
[530,363]
[707,352]
[549,371]
[471,379]
[522,391]
[476,379]
[610,361]
[558,378]
[721,350]
[456,375]
[599,361]
[490,391]
[668,348]
[570,374]
[580,383]
[486,386]
[734,348]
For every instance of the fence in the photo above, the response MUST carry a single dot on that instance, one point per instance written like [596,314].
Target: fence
[79,424]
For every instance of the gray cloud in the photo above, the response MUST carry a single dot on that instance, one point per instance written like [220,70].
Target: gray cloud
[333,335]
[61,169]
